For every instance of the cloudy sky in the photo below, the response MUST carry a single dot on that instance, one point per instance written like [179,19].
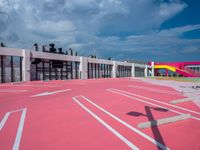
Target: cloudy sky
[159,30]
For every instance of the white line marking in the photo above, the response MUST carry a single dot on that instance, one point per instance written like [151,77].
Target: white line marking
[41,85]
[127,125]
[143,101]
[198,113]
[33,85]
[131,145]
[181,100]
[11,91]
[141,82]
[155,90]
[19,131]
[3,121]
[20,127]
[50,93]
[5,118]
[134,98]
[17,110]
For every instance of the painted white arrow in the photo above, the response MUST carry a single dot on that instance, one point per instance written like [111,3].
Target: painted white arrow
[50,93]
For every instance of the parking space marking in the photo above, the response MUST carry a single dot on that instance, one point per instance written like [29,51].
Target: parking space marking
[181,100]
[3,121]
[127,125]
[151,99]
[115,132]
[11,91]
[20,126]
[138,99]
[155,90]
[28,85]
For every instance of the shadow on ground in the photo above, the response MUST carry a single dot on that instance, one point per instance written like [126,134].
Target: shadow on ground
[155,130]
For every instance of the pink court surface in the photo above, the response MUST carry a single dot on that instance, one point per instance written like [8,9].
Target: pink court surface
[100,114]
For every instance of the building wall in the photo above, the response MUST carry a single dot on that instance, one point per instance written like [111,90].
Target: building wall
[78,67]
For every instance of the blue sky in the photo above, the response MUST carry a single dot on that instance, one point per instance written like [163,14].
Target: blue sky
[158,30]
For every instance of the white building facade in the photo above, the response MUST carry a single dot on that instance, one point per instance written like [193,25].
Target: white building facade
[28,65]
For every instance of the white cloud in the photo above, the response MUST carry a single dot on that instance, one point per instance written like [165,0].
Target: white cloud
[168,10]
[179,30]
[163,44]
[94,25]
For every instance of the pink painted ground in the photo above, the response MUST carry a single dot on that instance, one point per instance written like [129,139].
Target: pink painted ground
[61,121]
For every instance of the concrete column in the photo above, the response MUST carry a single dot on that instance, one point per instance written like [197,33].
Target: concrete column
[133,70]
[83,69]
[152,69]
[114,69]
[146,71]
[26,63]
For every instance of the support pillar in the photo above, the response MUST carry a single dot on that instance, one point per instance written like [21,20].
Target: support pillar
[152,69]
[114,69]
[146,71]
[133,70]
[26,65]
[83,68]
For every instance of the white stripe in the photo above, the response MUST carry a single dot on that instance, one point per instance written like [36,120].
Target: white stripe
[131,145]
[144,101]
[5,118]
[181,100]
[17,110]
[19,131]
[128,125]
[42,85]
[155,90]
[50,93]
[60,91]
[11,91]
[3,121]
[34,85]
[134,98]
[159,101]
